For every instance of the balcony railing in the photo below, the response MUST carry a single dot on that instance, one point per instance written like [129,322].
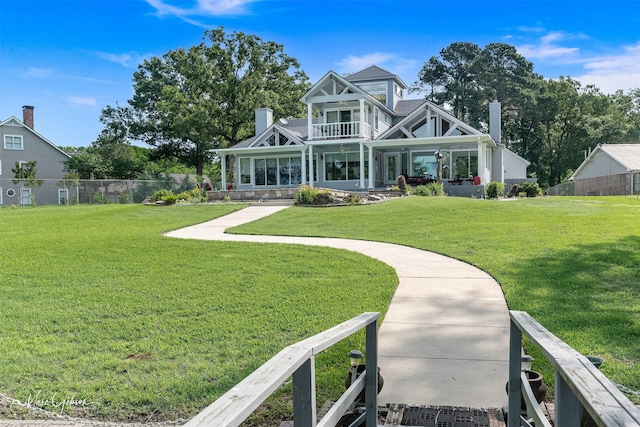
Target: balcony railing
[340,130]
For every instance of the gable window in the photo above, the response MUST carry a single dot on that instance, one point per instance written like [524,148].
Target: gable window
[13,142]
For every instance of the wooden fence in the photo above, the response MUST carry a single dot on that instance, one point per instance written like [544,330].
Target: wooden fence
[579,385]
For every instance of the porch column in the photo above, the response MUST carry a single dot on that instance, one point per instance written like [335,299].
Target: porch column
[361,166]
[372,167]
[310,120]
[311,166]
[223,167]
[362,129]
[304,167]
[481,171]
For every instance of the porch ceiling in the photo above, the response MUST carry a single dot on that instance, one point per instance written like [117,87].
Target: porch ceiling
[440,141]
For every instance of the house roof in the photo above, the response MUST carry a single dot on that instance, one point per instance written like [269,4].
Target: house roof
[14,121]
[374,73]
[627,155]
[407,106]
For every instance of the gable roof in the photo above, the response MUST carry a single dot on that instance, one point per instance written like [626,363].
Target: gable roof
[407,106]
[352,87]
[14,121]
[627,155]
[374,73]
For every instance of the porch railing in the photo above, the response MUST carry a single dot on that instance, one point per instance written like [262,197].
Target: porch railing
[340,130]
[579,385]
[297,361]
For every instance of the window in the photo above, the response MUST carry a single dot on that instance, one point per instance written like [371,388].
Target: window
[245,170]
[276,171]
[13,142]
[464,164]
[343,166]
[424,164]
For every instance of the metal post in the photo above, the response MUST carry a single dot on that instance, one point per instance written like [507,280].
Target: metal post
[371,380]
[514,388]
[567,405]
[304,395]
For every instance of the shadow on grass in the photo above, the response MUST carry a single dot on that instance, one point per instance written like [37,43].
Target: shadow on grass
[586,295]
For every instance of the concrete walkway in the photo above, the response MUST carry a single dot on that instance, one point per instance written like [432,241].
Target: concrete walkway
[445,337]
[443,341]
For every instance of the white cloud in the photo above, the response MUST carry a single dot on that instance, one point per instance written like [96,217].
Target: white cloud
[79,101]
[38,73]
[612,72]
[127,59]
[548,47]
[351,63]
[201,8]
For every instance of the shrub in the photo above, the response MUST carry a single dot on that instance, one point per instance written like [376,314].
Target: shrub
[196,195]
[531,189]
[432,189]
[514,191]
[353,199]
[494,189]
[161,194]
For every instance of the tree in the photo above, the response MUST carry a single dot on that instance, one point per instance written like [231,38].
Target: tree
[190,101]
[451,79]
[25,176]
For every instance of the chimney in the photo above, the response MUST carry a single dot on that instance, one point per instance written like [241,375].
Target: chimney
[264,119]
[27,115]
[495,122]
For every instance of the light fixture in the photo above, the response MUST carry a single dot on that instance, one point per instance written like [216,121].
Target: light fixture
[355,356]
[525,362]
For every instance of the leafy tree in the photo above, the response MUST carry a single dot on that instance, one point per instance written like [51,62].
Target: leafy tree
[190,101]
[25,176]
[451,79]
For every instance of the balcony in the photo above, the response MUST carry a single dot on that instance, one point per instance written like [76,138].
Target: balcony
[341,130]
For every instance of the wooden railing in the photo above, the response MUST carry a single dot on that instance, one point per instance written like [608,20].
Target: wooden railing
[297,360]
[579,385]
[340,130]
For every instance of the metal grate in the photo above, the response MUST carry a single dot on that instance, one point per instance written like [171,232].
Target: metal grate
[444,416]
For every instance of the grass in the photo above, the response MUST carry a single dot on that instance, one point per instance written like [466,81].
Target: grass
[572,263]
[100,310]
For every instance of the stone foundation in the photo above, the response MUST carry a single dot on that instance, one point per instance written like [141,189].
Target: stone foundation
[245,195]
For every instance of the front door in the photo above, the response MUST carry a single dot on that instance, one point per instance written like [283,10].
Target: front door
[25,196]
[391,168]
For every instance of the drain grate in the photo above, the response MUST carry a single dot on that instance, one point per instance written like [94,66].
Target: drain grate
[444,416]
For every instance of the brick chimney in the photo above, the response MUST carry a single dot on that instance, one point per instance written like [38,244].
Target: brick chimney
[27,115]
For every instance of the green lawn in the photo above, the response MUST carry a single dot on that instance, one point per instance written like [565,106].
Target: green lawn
[572,263]
[98,308]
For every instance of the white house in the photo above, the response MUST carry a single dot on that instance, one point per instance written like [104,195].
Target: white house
[609,169]
[360,134]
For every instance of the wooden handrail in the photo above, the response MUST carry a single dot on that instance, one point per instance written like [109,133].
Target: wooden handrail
[232,408]
[578,381]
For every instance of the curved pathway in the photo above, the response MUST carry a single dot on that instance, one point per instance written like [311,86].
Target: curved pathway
[445,337]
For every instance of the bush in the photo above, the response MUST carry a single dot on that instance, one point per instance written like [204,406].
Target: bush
[353,199]
[514,191]
[432,189]
[531,189]
[161,194]
[196,195]
[307,195]
[494,189]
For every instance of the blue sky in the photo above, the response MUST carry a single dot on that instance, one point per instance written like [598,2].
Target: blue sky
[71,58]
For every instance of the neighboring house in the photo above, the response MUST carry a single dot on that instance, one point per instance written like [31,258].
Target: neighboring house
[610,169]
[360,134]
[21,143]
